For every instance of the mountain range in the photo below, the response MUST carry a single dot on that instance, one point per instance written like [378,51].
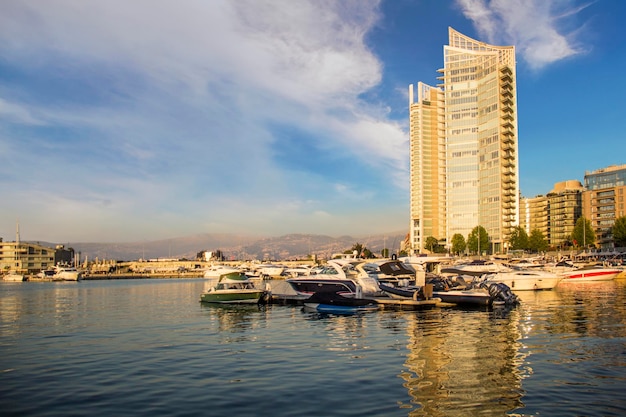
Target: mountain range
[236,247]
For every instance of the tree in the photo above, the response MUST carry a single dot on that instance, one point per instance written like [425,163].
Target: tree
[537,241]
[431,244]
[360,250]
[458,244]
[384,253]
[478,240]
[619,232]
[518,239]
[583,235]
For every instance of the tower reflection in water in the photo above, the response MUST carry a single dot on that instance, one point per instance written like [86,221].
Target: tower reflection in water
[463,363]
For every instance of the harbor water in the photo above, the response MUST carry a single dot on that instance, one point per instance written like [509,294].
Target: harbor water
[149,348]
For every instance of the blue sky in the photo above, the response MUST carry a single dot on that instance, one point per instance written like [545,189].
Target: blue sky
[146,119]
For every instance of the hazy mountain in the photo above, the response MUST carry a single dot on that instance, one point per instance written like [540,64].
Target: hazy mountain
[293,246]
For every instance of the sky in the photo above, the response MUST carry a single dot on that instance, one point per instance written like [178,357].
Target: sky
[127,121]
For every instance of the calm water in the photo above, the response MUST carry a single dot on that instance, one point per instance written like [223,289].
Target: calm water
[149,348]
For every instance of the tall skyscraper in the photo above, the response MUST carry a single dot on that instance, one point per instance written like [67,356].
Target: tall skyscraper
[463,146]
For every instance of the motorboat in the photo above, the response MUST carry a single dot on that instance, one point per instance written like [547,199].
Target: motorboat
[593,272]
[525,279]
[477,267]
[13,276]
[217,270]
[334,303]
[270,270]
[66,273]
[457,291]
[410,292]
[297,271]
[339,276]
[389,271]
[233,288]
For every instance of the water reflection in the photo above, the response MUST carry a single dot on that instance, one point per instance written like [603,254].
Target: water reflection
[463,363]
[573,347]
[591,309]
[234,318]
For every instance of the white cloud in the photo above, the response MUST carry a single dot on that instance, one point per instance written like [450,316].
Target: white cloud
[535,27]
[16,113]
[173,105]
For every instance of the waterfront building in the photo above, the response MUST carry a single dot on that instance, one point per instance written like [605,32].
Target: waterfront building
[603,201]
[463,146]
[25,258]
[428,165]
[564,209]
[535,215]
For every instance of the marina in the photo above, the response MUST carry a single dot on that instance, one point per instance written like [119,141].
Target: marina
[78,348]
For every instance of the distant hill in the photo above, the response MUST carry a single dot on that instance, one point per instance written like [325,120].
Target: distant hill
[236,247]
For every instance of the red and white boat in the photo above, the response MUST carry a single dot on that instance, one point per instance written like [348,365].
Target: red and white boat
[590,273]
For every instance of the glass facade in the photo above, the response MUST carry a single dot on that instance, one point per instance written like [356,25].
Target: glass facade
[477,150]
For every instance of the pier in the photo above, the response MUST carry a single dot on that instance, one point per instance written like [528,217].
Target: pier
[283,294]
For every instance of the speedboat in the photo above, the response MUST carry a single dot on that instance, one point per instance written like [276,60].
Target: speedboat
[66,273]
[334,303]
[525,279]
[458,291]
[270,270]
[389,271]
[477,268]
[233,288]
[590,273]
[338,276]
[478,293]
[14,277]
[217,270]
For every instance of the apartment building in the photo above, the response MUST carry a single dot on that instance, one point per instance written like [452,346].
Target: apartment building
[603,201]
[463,146]
[564,209]
[25,258]
[535,215]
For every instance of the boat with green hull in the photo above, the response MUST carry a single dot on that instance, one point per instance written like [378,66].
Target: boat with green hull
[233,288]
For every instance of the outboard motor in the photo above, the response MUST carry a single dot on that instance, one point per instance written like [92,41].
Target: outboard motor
[502,293]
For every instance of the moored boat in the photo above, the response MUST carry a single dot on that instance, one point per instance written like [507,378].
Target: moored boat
[590,273]
[476,268]
[480,292]
[66,273]
[13,276]
[217,270]
[334,303]
[336,276]
[233,288]
[526,279]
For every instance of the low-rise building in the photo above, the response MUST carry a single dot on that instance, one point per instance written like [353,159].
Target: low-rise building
[25,258]
[564,209]
[603,201]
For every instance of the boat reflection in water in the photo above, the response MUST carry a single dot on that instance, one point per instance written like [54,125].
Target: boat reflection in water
[458,366]
[235,318]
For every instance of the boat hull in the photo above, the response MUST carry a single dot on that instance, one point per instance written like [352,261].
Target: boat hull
[328,302]
[335,309]
[589,275]
[523,282]
[232,296]
[466,297]
[14,278]
[307,286]
[67,276]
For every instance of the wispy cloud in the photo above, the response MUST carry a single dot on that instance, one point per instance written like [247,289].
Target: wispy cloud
[156,107]
[539,29]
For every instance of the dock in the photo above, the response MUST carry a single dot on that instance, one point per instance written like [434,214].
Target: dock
[283,294]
